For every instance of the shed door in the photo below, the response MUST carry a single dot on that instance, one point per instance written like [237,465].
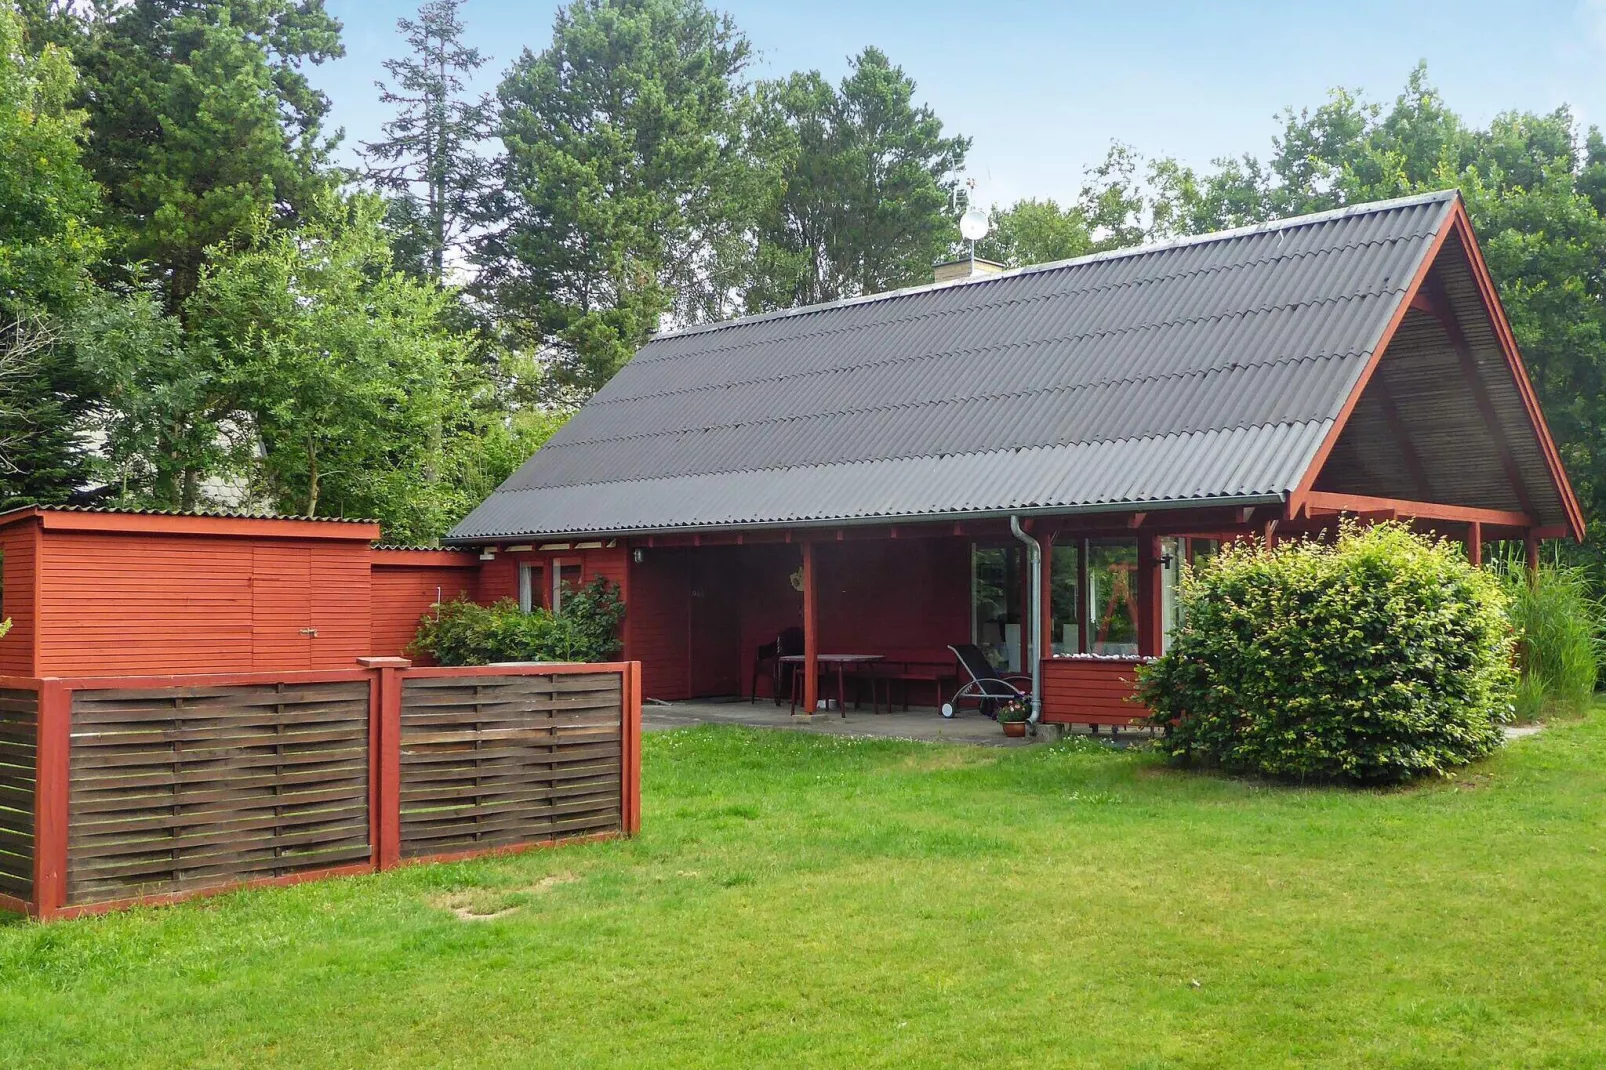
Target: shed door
[281,608]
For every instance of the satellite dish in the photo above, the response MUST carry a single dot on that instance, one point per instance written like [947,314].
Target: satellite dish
[973,225]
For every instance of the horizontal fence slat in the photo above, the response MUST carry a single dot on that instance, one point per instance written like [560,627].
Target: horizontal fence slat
[185,786]
[19,734]
[493,761]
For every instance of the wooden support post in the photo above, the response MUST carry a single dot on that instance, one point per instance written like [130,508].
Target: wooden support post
[1530,543]
[1475,543]
[52,785]
[811,633]
[630,813]
[1148,622]
[384,760]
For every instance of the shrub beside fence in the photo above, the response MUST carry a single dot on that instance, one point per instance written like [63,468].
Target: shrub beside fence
[118,791]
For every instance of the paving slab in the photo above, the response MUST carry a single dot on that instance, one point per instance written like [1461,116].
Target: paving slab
[917,724]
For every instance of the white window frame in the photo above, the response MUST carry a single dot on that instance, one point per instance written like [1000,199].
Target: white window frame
[527,573]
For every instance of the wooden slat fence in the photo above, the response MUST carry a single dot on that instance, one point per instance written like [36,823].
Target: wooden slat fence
[495,761]
[123,790]
[184,788]
[19,726]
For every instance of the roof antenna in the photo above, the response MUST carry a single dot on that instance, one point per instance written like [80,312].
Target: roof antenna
[974,224]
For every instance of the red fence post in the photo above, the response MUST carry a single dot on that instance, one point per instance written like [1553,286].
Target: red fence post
[630,750]
[384,762]
[52,784]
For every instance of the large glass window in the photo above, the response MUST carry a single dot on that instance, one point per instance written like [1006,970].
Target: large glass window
[995,598]
[1112,598]
[565,581]
[1065,625]
[529,587]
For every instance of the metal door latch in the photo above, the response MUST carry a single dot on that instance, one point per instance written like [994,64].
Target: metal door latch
[313,632]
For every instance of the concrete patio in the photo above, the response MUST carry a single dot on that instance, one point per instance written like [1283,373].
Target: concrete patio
[923,724]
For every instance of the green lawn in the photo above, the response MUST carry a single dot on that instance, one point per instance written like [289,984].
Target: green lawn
[806,900]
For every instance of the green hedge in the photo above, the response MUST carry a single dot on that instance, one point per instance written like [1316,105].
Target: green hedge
[1378,657]
[586,629]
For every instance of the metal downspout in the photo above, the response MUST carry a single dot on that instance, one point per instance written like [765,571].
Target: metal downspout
[1034,551]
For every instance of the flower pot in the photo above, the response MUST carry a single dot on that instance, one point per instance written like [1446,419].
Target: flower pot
[1015,729]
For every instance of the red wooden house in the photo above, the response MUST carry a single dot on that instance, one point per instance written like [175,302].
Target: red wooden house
[855,468]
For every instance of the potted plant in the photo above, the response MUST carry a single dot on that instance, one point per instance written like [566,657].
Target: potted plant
[1013,715]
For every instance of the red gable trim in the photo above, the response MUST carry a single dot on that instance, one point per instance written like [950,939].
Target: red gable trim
[1508,346]
[1296,500]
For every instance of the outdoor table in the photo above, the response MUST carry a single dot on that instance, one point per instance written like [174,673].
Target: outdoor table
[839,662]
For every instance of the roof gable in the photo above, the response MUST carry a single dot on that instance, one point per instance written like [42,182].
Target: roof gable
[1205,371]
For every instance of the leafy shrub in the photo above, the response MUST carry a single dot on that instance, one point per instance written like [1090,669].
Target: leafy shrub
[463,632]
[1378,657]
[1557,622]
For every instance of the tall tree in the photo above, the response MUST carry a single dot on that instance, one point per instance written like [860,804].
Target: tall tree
[48,240]
[1035,232]
[202,121]
[429,156]
[861,183]
[342,367]
[622,150]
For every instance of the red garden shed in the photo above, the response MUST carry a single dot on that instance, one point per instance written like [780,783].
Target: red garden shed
[102,592]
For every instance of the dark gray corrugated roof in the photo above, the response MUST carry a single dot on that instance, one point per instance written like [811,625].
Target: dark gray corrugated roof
[1202,371]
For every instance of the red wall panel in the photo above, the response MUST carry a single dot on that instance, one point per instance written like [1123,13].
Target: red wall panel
[123,602]
[658,623]
[903,598]
[1090,691]
[18,594]
[402,592]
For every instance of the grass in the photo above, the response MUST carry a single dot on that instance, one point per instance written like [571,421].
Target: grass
[800,900]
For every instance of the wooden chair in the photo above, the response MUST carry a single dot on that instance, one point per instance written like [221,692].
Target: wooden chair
[789,643]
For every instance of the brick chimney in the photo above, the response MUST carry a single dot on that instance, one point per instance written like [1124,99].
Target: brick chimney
[967,268]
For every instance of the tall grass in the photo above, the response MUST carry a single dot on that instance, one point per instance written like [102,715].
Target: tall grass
[1558,624]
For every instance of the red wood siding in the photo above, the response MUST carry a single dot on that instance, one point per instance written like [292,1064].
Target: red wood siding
[1090,691]
[281,607]
[133,602]
[405,584]
[342,606]
[19,545]
[903,598]
[499,577]
[657,623]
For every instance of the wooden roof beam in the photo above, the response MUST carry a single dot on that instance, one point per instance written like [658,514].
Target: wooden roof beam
[1438,300]
[1319,502]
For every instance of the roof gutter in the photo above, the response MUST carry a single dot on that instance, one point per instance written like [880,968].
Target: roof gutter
[954,516]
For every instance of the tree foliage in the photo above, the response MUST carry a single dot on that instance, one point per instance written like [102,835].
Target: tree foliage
[202,122]
[621,152]
[429,156]
[856,189]
[48,242]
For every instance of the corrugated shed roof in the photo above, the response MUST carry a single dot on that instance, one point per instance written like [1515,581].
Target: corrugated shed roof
[1201,371]
[221,514]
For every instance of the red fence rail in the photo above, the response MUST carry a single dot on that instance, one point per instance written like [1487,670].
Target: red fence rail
[117,791]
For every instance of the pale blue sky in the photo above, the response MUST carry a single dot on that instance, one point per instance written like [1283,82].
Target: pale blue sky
[1043,88]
